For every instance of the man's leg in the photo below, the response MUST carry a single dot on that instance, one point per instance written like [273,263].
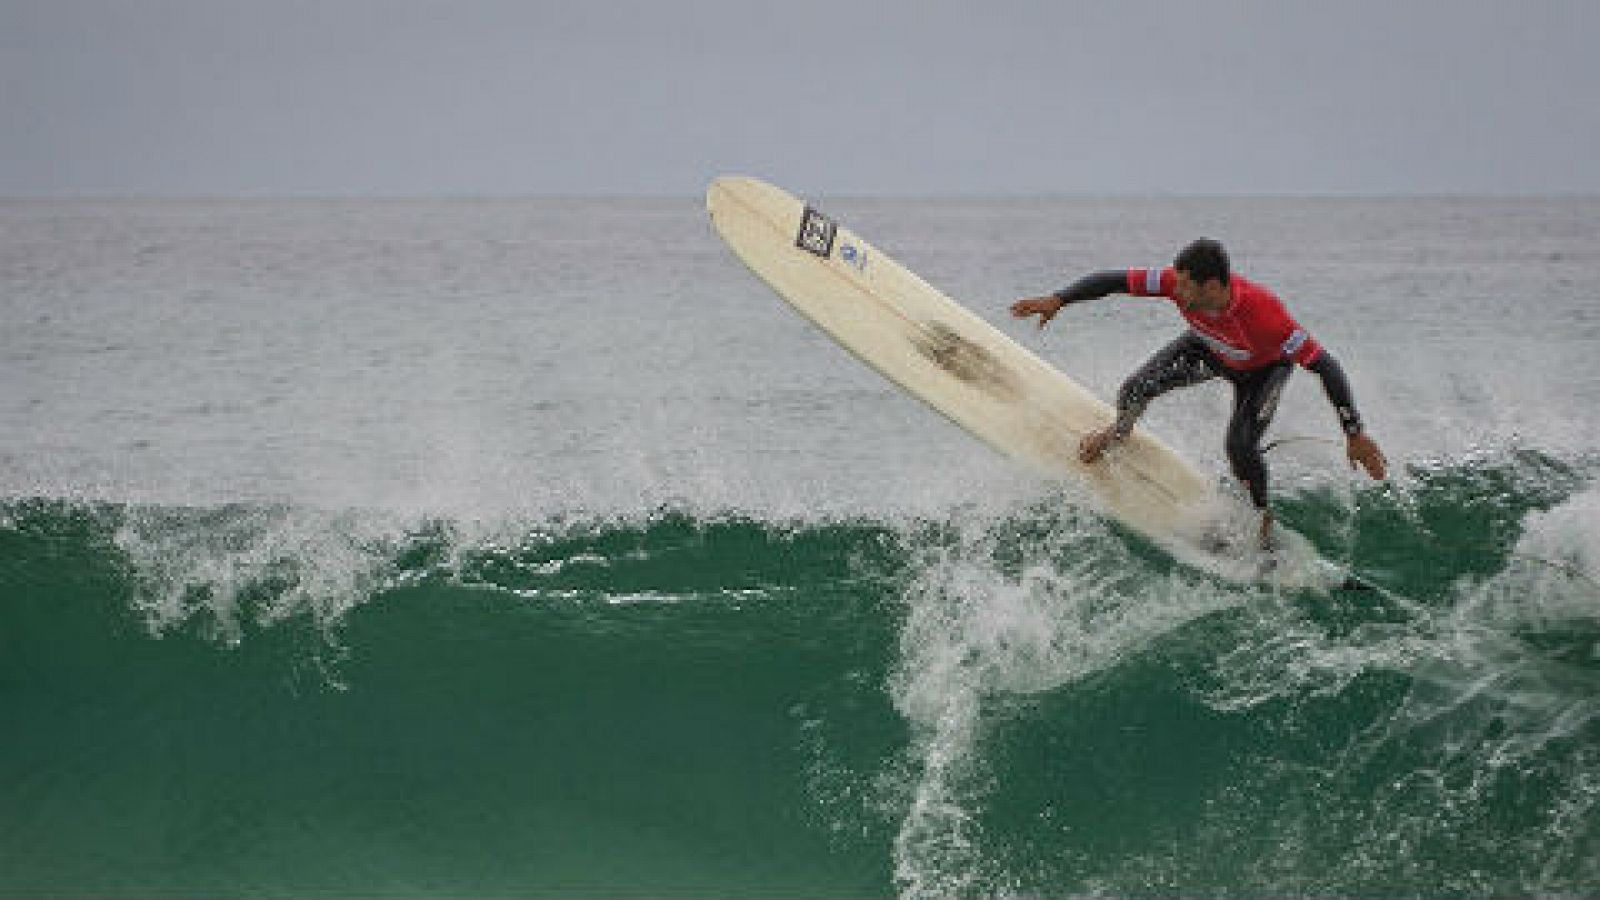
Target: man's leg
[1255,402]
[1184,362]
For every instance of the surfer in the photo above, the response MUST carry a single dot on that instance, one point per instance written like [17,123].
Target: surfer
[1238,330]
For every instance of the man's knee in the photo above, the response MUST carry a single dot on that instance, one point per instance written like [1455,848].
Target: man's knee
[1241,442]
[1244,457]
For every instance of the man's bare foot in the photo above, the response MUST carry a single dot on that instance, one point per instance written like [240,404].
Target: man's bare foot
[1094,444]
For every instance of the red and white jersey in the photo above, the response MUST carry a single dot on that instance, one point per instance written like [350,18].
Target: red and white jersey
[1253,331]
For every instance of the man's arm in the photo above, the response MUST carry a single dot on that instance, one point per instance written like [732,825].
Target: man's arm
[1337,387]
[1089,287]
[1095,286]
[1359,447]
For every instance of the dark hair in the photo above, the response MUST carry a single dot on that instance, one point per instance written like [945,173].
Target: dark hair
[1204,260]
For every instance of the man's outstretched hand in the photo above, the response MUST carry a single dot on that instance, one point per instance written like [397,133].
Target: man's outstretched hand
[1363,451]
[1043,307]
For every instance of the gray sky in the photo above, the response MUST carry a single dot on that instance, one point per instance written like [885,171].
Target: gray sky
[595,96]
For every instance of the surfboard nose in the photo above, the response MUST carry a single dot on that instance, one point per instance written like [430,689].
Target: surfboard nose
[720,188]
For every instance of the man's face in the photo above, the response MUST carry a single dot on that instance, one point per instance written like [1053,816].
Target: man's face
[1208,297]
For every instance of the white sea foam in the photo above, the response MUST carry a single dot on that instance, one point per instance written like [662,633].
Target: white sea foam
[992,614]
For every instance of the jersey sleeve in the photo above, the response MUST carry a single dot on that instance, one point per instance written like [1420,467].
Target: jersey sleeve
[1301,347]
[1152,282]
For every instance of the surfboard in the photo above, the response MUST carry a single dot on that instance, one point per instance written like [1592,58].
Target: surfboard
[994,388]
[959,364]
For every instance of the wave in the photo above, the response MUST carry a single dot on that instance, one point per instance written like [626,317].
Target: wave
[1034,701]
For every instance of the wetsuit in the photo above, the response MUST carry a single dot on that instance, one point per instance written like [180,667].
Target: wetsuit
[1253,343]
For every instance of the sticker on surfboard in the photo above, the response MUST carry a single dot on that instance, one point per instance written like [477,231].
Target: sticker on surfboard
[817,232]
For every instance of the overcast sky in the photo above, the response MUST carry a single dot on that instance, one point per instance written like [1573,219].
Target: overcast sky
[595,96]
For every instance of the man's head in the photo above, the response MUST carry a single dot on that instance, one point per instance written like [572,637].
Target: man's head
[1203,276]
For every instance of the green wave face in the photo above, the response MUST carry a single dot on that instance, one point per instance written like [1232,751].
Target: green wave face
[281,700]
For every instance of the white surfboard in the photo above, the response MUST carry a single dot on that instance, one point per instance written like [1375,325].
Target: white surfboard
[948,357]
[970,371]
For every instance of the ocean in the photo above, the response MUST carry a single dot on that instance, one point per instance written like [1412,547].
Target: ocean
[532,547]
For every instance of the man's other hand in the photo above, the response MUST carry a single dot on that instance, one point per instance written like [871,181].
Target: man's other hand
[1363,451]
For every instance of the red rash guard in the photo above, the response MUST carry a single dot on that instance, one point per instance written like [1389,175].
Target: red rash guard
[1253,331]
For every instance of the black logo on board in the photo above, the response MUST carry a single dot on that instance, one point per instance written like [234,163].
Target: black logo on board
[817,232]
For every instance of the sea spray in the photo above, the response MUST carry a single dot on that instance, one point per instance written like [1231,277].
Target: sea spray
[998,610]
